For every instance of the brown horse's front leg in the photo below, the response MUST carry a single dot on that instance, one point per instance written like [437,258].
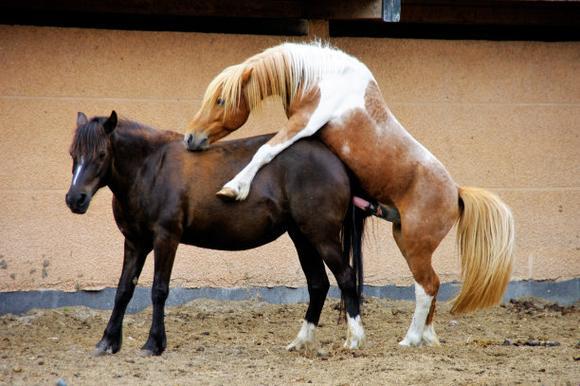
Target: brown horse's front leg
[164,248]
[132,265]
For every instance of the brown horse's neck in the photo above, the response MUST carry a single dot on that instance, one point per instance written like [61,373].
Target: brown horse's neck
[132,144]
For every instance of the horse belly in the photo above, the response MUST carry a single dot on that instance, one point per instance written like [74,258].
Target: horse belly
[227,226]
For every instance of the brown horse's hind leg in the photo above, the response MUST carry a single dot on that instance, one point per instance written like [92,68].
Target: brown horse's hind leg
[318,285]
[418,255]
[345,278]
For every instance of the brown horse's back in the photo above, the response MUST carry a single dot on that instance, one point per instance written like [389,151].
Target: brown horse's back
[304,185]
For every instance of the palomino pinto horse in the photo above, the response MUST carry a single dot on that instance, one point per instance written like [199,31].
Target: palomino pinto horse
[324,88]
[164,195]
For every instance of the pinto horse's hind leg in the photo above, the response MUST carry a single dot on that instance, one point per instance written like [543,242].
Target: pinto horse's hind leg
[318,286]
[164,248]
[418,258]
[132,265]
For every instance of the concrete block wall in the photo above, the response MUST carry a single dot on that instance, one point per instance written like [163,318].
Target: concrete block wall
[500,115]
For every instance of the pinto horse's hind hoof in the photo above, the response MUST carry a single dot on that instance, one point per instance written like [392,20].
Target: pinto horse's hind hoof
[227,194]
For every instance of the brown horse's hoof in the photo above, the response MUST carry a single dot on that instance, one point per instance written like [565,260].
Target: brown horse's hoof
[227,194]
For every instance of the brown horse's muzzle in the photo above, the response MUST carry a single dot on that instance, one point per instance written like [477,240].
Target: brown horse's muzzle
[196,142]
[78,201]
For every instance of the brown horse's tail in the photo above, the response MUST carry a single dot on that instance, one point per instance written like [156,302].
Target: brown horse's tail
[485,237]
[352,236]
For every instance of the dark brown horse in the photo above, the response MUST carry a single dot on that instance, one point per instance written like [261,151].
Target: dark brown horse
[165,195]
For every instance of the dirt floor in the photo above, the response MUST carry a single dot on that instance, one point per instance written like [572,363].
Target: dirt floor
[213,342]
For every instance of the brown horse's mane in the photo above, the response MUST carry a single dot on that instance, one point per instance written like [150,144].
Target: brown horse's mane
[91,137]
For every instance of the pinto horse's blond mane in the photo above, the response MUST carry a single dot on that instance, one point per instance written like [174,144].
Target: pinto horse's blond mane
[282,71]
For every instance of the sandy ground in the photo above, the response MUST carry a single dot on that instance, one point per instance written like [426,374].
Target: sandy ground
[213,342]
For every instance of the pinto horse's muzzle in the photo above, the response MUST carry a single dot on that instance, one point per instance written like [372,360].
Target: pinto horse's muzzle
[78,201]
[196,142]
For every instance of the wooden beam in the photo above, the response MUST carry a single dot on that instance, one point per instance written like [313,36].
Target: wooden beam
[197,8]
[318,29]
[476,12]
[514,12]
[343,9]
[299,9]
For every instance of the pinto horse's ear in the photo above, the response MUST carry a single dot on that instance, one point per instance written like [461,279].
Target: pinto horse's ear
[246,75]
[110,123]
[82,119]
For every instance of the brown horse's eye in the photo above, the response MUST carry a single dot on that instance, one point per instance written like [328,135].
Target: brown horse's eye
[102,155]
[220,102]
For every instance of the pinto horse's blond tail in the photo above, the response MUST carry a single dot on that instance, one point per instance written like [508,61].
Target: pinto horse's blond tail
[485,237]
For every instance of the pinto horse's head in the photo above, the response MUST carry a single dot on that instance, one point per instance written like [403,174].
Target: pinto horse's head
[91,154]
[224,109]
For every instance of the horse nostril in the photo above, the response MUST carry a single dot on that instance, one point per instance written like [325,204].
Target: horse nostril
[68,200]
[195,142]
[82,199]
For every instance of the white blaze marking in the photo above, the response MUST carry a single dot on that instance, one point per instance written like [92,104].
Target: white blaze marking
[345,149]
[305,338]
[422,305]
[78,171]
[356,334]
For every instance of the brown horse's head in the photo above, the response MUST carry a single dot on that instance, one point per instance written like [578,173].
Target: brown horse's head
[224,109]
[91,153]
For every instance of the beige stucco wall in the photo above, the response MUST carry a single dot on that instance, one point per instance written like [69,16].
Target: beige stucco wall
[500,115]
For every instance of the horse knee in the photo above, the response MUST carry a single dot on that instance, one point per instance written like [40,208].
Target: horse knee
[429,281]
[424,274]
[321,286]
[346,280]
[318,292]
[124,293]
[159,294]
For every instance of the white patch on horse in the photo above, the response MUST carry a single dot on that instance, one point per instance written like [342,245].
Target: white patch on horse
[355,335]
[423,301]
[345,149]
[314,62]
[305,339]
[78,170]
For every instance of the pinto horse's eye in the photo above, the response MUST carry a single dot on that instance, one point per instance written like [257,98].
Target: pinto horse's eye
[220,102]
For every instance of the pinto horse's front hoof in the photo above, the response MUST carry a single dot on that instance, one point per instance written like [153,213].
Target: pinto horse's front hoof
[227,194]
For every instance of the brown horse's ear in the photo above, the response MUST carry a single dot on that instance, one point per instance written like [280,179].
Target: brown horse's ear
[82,119]
[110,123]
[246,75]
